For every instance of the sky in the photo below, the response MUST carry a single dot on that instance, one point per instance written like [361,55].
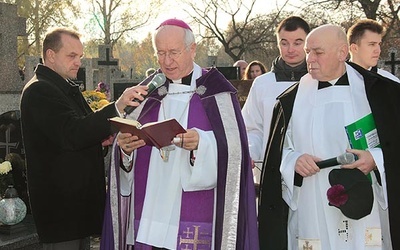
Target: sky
[174,10]
[171,9]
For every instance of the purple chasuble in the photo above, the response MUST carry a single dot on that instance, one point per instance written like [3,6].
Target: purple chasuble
[197,207]
[236,224]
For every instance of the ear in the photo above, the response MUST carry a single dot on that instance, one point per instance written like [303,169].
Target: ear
[193,50]
[343,52]
[354,48]
[50,55]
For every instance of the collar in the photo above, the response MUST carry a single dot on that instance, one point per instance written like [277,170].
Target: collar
[343,80]
[185,80]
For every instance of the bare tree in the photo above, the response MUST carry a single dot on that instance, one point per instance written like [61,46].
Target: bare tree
[348,11]
[115,18]
[246,30]
[41,15]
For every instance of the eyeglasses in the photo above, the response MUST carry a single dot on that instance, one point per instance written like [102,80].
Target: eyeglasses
[172,54]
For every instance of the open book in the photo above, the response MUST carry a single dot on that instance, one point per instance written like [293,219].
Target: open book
[158,134]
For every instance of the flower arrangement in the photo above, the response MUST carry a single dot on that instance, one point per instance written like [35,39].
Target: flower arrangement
[5,167]
[13,172]
[99,97]
[6,177]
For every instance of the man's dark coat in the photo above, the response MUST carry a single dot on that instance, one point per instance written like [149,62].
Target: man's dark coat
[65,166]
[384,99]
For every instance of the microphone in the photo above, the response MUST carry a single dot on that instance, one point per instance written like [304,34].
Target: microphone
[342,159]
[155,83]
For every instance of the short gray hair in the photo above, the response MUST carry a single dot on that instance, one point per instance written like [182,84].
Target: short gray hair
[188,38]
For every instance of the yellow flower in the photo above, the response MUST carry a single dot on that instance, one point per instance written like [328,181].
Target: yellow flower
[5,167]
[95,99]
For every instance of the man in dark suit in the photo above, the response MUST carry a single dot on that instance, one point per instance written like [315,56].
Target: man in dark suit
[62,138]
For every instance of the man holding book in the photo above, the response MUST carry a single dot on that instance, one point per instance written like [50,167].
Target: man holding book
[352,206]
[198,191]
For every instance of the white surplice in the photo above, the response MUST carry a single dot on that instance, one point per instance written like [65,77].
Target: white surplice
[317,128]
[257,114]
[159,223]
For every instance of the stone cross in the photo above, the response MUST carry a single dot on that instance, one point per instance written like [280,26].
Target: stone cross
[7,144]
[106,64]
[393,62]
[10,134]
[11,84]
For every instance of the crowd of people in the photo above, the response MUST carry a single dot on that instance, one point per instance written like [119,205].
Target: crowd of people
[198,192]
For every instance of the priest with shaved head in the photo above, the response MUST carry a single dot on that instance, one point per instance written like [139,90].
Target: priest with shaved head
[349,206]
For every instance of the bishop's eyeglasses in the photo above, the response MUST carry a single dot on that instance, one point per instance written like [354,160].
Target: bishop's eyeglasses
[172,54]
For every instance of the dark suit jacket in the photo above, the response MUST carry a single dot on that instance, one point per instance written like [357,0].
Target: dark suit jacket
[65,166]
[384,99]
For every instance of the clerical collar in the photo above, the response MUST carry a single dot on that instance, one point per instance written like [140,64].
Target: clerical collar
[343,80]
[185,80]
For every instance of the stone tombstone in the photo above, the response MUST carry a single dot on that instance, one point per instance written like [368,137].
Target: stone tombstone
[392,63]
[85,74]
[10,134]
[212,61]
[230,73]
[30,64]
[120,85]
[11,84]
[84,78]
[12,149]
[243,88]
[107,67]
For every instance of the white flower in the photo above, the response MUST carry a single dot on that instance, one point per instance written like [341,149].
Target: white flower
[5,167]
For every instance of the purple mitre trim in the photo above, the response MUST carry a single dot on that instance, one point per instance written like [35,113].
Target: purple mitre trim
[175,22]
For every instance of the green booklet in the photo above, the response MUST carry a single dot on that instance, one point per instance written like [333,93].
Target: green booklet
[362,133]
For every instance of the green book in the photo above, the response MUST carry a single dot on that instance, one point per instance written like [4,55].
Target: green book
[362,133]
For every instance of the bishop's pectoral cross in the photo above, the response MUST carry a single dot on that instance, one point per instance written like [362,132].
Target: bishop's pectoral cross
[164,152]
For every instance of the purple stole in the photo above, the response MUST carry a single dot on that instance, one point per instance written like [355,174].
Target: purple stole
[196,215]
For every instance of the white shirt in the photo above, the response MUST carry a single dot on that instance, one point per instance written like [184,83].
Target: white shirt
[257,114]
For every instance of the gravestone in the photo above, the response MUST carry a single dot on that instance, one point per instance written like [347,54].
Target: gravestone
[243,88]
[230,73]
[107,67]
[11,84]
[10,134]
[30,64]
[392,62]
[85,73]
[120,86]
[87,77]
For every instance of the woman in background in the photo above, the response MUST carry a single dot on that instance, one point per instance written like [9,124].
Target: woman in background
[254,69]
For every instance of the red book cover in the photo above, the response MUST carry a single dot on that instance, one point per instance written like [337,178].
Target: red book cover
[158,134]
